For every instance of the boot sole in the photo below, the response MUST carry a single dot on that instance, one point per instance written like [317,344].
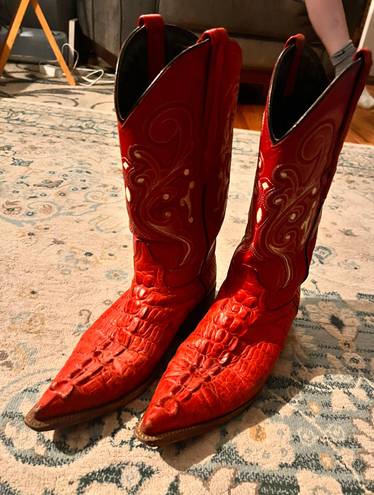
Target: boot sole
[192,431]
[58,422]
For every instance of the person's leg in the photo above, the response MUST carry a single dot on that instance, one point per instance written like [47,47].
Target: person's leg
[328,20]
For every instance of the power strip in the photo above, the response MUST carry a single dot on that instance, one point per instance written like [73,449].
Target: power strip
[54,71]
[50,71]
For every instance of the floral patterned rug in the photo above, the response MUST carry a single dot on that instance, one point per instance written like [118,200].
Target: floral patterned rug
[25,83]
[66,255]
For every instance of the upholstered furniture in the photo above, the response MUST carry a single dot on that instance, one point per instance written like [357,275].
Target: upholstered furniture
[261,28]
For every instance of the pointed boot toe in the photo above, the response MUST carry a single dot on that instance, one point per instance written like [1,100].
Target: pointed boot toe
[217,372]
[156,422]
[108,377]
[44,412]
[58,407]
[166,421]
[171,419]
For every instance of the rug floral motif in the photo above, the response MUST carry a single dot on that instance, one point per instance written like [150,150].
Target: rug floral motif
[66,255]
[25,83]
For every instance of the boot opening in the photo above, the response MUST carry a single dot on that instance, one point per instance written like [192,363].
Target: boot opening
[311,81]
[132,67]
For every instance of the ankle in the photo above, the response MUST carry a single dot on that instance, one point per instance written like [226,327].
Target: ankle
[343,57]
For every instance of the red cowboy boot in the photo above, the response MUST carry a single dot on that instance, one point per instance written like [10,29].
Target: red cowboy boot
[225,361]
[175,101]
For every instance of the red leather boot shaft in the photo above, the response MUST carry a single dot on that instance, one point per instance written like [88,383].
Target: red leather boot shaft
[293,177]
[175,148]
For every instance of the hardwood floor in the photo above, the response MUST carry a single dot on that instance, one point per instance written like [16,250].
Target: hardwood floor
[361,130]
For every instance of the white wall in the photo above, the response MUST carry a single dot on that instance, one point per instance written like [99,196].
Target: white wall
[367,38]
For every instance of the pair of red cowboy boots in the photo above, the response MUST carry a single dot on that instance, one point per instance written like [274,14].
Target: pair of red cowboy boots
[175,99]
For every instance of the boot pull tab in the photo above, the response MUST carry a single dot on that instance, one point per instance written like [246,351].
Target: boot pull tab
[219,39]
[155,27]
[365,56]
[216,35]
[299,42]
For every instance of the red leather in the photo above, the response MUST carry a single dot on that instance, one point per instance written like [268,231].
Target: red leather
[226,360]
[156,42]
[169,173]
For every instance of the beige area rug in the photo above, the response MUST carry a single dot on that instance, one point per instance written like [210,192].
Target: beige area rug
[24,82]
[66,256]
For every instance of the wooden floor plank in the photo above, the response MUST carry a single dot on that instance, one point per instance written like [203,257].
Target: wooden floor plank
[363,124]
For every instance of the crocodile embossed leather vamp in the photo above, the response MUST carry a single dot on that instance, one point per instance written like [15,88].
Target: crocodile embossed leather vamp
[175,100]
[225,361]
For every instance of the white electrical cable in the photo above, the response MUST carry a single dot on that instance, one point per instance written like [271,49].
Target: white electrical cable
[89,79]
[73,52]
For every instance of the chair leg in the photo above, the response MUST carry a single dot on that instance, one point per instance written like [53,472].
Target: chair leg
[12,33]
[52,42]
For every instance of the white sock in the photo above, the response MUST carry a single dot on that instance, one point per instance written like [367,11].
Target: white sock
[343,57]
[366,100]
